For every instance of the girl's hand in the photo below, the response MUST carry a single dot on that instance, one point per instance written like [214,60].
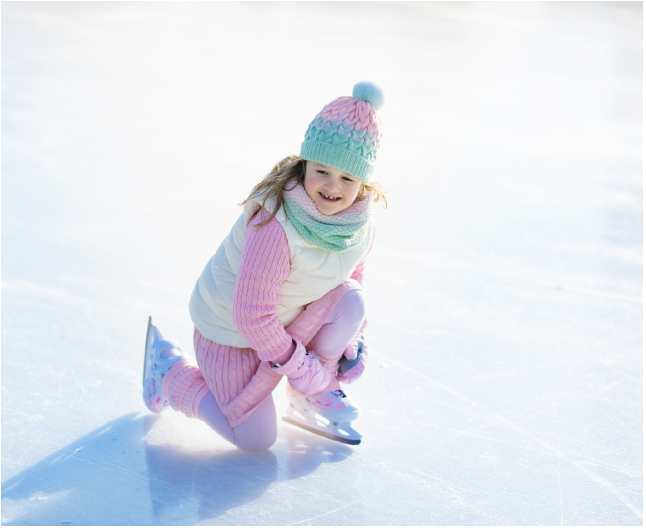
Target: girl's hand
[353,363]
[304,372]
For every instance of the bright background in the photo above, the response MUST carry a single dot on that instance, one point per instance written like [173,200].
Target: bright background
[505,291]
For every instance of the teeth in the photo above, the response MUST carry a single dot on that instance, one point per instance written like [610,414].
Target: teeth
[330,197]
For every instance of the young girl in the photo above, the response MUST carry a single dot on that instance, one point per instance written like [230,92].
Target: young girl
[283,296]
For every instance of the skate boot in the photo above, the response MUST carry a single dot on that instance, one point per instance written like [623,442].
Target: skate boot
[328,415]
[160,356]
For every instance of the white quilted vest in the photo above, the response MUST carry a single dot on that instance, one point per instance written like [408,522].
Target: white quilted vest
[314,272]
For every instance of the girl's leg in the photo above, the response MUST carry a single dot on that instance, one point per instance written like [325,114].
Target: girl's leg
[256,433]
[341,326]
[339,329]
[187,391]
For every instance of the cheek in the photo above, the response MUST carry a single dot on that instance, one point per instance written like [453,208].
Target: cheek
[351,194]
[310,185]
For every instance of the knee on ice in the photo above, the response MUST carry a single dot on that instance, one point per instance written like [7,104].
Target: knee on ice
[255,444]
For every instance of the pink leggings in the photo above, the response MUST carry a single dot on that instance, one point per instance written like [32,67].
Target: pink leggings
[259,431]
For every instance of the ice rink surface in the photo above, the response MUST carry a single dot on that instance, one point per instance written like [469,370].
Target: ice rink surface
[505,290]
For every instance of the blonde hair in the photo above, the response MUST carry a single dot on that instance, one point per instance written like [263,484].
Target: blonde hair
[292,170]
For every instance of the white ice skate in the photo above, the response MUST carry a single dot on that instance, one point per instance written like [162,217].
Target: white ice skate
[159,357]
[327,415]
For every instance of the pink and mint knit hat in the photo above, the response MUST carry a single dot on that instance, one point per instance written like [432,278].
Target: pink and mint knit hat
[347,132]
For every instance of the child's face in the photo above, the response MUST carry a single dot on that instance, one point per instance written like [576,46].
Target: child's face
[331,189]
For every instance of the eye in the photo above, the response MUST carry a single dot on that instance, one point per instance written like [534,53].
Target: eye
[321,171]
[348,179]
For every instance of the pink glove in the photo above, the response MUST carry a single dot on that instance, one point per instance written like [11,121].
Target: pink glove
[353,363]
[304,372]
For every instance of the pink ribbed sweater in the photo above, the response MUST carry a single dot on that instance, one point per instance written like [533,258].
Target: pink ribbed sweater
[241,378]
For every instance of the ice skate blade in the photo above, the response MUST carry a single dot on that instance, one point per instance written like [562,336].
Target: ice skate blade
[150,324]
[319,432]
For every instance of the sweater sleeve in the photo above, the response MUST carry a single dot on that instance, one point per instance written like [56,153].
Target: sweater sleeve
[264,265]
[357,274]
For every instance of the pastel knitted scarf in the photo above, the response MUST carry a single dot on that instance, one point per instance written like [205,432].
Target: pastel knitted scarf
[337,232]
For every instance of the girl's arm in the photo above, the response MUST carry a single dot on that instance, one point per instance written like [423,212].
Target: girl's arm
[358,364]
[357,274]
[265,264]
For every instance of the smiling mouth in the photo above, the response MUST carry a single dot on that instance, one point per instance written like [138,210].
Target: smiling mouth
[329,198]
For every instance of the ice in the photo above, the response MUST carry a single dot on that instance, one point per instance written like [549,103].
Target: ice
[504,292]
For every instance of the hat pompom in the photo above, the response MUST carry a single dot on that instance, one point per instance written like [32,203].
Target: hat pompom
[370,92]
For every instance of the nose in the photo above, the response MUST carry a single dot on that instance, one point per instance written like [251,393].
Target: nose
[333,187]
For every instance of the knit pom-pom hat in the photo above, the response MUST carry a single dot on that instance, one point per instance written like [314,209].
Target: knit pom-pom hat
[347,132]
